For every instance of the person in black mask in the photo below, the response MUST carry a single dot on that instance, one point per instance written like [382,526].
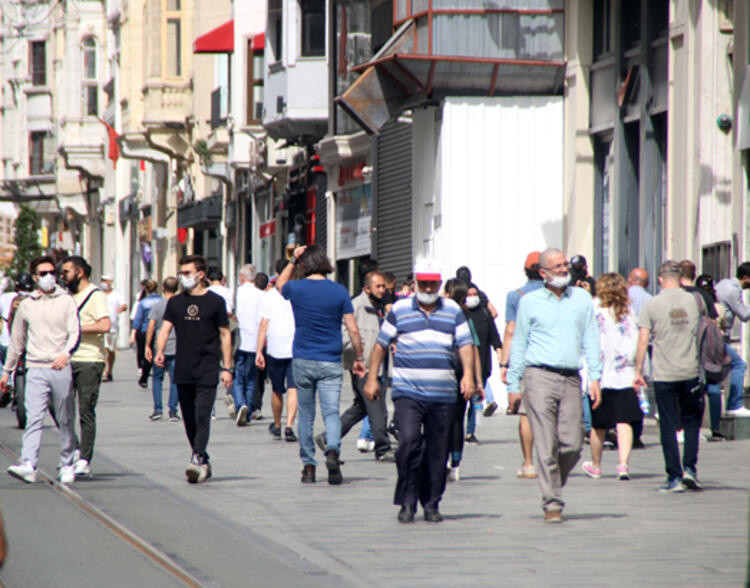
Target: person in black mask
[369,311]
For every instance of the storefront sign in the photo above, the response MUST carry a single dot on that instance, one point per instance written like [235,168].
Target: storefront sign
[267,229]
[353,222]
[349,173]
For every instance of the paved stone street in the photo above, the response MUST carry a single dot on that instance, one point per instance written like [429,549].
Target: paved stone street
[253,523]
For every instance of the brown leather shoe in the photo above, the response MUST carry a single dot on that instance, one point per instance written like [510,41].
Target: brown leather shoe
[553,516]
[308,474]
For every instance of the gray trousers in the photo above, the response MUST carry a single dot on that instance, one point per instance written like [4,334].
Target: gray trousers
[40,384]
[553,405]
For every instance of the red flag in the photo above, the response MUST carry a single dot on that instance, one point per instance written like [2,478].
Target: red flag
[114,148]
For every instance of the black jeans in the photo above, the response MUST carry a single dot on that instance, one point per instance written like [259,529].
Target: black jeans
[679,403]
[456,444]
[196,401]
[260,390]
[424,428]
[140,346]
[375,409]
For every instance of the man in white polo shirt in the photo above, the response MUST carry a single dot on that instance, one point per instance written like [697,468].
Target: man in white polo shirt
[248,318]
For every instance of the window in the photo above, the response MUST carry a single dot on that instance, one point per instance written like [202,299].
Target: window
[40,161]
[602,31]
[174,46]
[275,30]
[716,260]
[313,28]
[90,89]
[38,63]
[255,65]
[631,24]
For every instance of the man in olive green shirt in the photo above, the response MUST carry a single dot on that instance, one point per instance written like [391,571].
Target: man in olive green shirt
[89,359]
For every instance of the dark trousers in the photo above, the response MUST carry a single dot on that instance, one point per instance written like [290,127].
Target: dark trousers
[87,377]
[140,348]
[362,407]
[679,403]
[260,389]
[424,428]
[196,401]
[456,443]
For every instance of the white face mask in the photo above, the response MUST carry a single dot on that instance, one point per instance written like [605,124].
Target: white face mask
[189,282]
[472,301]
[558,281]
[427,297]
[47,283]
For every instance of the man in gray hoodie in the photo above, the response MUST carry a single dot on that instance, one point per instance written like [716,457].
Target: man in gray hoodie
[47,329]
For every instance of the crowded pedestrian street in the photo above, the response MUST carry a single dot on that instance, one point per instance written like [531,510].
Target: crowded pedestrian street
[136,522]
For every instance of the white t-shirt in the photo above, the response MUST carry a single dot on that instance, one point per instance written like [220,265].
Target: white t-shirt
[226,294]
[280,333]
[115,300]
[6,303]
[248,315]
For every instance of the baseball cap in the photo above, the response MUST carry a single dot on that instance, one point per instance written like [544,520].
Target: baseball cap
[578,262]
[107,277]
[532,259]
[427,270]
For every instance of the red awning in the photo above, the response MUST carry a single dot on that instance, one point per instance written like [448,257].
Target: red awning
[259,42]
[219,40]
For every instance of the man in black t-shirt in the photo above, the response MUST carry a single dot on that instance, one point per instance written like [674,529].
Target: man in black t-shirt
[199,318]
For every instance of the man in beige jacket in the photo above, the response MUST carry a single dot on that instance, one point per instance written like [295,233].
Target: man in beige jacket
[47,328]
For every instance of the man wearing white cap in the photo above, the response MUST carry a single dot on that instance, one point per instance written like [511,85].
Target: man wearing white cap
[426,329]
[115,304]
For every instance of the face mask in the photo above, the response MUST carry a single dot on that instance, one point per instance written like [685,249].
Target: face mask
[188,282]
[375,299]
[427,297]
[472,301]
[558,281]
[47,283]
[106,287]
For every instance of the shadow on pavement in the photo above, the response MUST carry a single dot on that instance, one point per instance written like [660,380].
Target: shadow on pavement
[594,516]
[458,517]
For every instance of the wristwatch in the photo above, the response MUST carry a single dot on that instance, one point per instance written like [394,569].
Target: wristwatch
[293,260]
[230,370]
[504,365]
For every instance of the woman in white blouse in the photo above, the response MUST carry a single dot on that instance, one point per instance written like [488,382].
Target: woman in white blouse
[618,337]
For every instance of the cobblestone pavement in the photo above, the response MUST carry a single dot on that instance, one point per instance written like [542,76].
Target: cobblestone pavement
[253,522]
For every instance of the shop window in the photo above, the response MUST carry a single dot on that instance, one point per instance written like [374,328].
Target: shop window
[313,28]
[38,63]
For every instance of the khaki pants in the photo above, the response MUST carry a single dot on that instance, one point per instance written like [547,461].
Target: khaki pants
[553,405]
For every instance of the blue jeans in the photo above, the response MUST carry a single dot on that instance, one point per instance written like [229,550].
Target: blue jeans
[736,389]
[245,372]
[488,395]
[471,417]
[586,405]
[366,432]
[324,378]
[158,382]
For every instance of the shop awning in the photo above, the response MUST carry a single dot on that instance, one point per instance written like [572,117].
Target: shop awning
[259,42]
[218,40]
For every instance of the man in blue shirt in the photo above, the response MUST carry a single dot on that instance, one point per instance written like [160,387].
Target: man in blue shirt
[555,325]
[427,330]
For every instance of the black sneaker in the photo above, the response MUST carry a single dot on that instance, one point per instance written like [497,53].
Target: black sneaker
[143,383]
[638,444]
[490,409]
[173,416]
[155,416]
[690,480]
[472,439]
[334,469]
[289,435]
[275,431]
[716,436]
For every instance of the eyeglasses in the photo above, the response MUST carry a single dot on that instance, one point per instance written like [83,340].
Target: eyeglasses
[43,273]
[558,267]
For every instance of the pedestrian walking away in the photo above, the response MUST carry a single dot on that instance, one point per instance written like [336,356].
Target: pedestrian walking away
[276,330]
[637,284]
[88,360]
[426,330]
[515,400]
[555,326]
[155,320]
[248,317]
[670,320]
[139,328]
[117,305]
[319,307]
[47,327]
[199,318]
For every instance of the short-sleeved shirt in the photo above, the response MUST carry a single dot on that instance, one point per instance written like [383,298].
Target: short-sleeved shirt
[280,333]
[115,300]
[672,317]
[319,306]
[197,320]
[424,365]
[225,293]
[91,347]
[157,314]
[514,297]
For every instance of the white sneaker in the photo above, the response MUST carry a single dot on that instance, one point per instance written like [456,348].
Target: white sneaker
[82,468]
[362,445]
[370,446]
[23,471]
[740,412]
[76,455]
[454,474]
[68,474]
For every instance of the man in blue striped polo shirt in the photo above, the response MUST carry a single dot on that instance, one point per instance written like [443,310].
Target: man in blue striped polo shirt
[427,331]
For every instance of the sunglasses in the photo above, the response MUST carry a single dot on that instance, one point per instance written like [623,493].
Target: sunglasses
[43,273]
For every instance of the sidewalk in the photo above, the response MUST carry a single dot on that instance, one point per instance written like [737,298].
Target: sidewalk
[616,533]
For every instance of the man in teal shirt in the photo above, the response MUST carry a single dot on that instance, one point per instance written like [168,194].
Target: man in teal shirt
[554,327]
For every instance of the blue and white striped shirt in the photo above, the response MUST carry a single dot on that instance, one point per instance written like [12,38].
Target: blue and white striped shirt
[424,365]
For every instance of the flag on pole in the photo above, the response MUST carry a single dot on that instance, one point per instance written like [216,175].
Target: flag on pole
[114,149]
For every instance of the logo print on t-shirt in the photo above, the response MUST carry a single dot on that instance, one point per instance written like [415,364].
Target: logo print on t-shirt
[192,312]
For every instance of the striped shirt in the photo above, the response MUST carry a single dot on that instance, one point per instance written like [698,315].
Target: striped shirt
[424,365]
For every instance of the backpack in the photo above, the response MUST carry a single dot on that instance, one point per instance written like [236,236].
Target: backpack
[713,359]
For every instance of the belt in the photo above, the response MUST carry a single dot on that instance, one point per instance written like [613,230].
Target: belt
[568,373]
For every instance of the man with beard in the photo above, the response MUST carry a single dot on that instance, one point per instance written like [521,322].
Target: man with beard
[89,359]
[369,312]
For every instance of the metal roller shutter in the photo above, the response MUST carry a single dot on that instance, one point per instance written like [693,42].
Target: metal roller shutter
[392,186]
